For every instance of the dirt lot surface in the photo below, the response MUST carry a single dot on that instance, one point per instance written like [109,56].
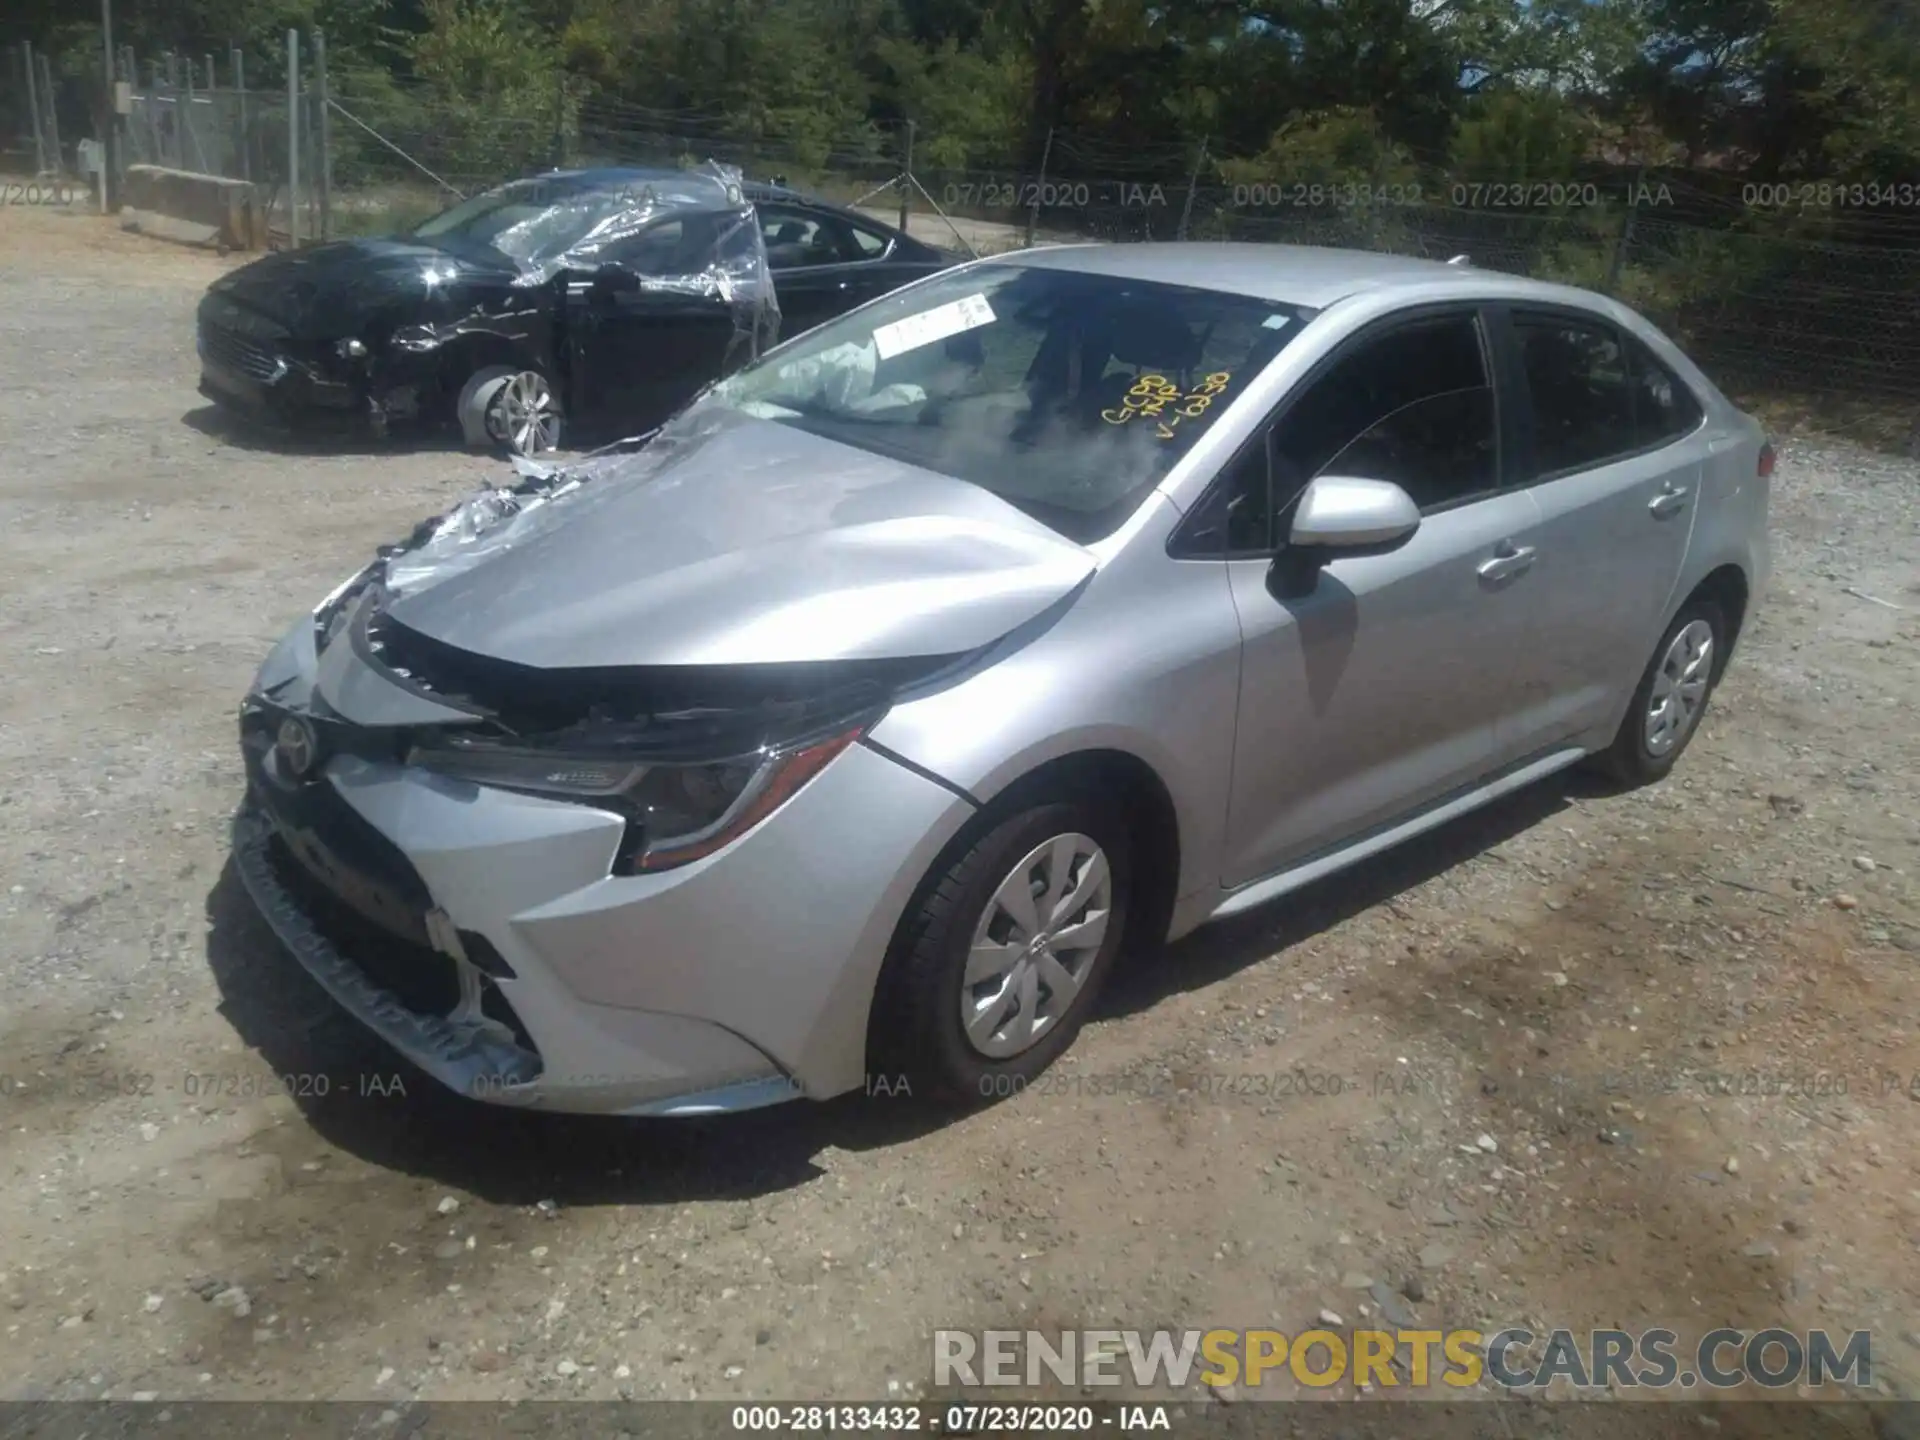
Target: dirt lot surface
[1583,1059]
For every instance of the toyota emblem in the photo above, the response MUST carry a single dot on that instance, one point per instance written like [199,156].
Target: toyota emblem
[297,747]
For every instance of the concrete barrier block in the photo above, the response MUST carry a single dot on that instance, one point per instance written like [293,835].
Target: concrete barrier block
[192,208]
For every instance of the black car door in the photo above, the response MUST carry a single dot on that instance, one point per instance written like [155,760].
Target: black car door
[637,347]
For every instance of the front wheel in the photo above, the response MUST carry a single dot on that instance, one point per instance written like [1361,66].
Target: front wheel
[510,408]
[1671,697]
[1004,953]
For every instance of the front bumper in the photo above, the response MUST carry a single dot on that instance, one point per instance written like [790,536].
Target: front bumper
[269,386]
[738,981]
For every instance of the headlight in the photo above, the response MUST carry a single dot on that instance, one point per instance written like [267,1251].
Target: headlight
[676,812]
[350,349]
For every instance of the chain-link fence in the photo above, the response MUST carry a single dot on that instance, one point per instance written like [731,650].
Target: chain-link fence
[1780,295]
[201,114]
[35,107]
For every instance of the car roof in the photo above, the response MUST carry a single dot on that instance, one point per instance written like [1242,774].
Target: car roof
[620,174]
[1309,276]
[759,191]
[756,191]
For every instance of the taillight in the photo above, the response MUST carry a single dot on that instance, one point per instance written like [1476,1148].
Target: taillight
[1766,459]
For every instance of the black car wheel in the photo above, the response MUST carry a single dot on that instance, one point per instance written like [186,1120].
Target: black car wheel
[511,408]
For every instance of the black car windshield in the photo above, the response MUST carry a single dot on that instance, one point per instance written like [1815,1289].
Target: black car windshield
[1067,394]
[529,221]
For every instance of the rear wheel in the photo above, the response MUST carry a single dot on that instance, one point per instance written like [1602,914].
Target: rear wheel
[1672,696]
[1000,961]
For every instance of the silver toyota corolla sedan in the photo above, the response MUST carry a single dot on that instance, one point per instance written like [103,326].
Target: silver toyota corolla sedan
[846,728]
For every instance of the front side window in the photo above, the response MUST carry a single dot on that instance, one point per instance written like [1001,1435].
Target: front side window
[1069,395]
[1583,402]
[1413,406]
[663,248]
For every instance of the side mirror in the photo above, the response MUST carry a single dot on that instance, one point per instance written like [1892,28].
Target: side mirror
[1339,512]
[1340,515]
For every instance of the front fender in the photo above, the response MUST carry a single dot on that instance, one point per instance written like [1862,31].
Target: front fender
[1145,662]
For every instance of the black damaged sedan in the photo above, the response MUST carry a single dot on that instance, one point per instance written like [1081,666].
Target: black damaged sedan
[580,301]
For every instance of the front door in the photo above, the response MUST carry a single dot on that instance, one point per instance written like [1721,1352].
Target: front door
[641,342]
[1380,690]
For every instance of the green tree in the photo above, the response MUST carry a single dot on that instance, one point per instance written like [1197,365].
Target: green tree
[1336,147]
[490,87]
[1519,136]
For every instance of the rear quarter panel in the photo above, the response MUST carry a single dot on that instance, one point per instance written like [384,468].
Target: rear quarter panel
[1731,526]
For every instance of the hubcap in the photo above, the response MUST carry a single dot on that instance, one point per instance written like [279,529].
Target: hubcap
[524,416]
[1679,688]
[1035,945]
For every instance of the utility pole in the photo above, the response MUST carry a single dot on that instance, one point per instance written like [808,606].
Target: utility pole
[1033,217]
[906,184]
[33,105]
[110,136]
[293,139]
[1193,186]
[240,106]
[1621,245]
[53,116]
[325,135]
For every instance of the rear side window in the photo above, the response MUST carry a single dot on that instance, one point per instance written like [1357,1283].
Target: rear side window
[867,245]
[1583,398]
[797,238]
[1664,409]
[1412,406]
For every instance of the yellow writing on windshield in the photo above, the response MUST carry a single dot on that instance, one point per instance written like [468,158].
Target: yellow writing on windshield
[1156,398]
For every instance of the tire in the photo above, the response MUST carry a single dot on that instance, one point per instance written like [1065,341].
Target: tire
[917,1031]
[1646,748]
[491,399]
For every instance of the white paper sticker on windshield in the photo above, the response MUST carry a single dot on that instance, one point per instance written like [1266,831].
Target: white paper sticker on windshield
[931,325]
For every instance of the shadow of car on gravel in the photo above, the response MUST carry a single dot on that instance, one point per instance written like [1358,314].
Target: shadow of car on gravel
[265,436]
[1216,951]
[380,1108]
[366,1099]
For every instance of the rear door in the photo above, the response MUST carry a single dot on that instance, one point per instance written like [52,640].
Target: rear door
[1614,451]
[887,261]
[824,264]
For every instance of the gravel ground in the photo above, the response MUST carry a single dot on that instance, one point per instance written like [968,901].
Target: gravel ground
[1567,975]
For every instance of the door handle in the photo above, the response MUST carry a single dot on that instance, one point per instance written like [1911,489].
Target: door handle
[1509,560]
[1671,500]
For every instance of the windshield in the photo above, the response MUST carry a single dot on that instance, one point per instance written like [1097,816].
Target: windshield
[529,221]
[1068,395]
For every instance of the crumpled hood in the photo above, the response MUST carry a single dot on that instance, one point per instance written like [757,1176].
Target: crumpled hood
[733,541]
[331,290]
